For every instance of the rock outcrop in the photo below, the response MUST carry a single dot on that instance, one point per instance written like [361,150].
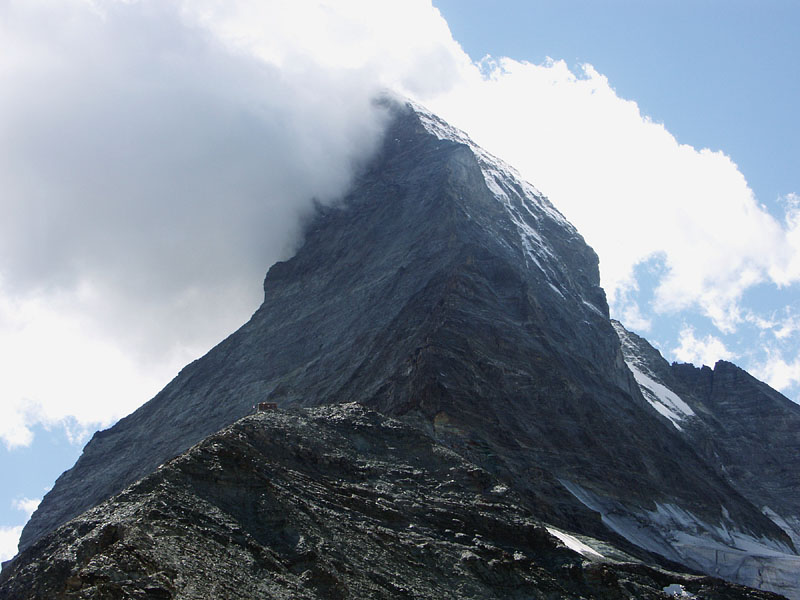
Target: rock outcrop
[332,502]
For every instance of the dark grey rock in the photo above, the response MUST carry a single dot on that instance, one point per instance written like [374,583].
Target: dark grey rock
[748,433]
[333,502]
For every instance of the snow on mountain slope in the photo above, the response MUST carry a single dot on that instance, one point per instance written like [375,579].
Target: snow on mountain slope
[722,550]
[660,397]
[666,402]
[749,433]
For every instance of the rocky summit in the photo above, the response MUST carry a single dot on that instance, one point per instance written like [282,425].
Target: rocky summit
[499,410]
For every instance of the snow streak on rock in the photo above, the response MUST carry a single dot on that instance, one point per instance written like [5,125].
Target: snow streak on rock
[660,397]
[523,202]
[573,543]
[666,402]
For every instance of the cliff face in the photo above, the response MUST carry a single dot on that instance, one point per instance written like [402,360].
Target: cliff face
[332,502]
[446,291]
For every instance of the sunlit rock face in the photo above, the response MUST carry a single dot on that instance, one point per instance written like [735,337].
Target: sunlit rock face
[444,291]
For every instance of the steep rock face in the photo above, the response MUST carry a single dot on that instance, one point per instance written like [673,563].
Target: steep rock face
[753,435]
[750,434]
[446,291]
[333,502]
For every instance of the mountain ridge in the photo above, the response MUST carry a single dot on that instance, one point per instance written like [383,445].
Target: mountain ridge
[747,432]
[330,502]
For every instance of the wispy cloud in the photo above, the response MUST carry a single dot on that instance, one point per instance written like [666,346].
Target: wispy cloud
[27,505]
[777,371]
[9,536]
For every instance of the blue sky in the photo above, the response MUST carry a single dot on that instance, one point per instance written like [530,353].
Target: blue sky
[149,190]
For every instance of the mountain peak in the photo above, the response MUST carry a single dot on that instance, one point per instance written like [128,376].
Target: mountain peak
[445,291]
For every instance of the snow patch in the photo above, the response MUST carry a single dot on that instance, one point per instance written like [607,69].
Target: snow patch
[593,308]
[718,550]
[661,398]
[676,591]
[574,544]
[666,402]
[629,348]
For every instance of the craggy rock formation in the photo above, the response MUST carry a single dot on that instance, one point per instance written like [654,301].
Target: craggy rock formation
[445,291]
[333,502]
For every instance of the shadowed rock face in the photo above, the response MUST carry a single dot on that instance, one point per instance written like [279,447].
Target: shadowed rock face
[445,291]
[742,427]
[747,432]
[333,502]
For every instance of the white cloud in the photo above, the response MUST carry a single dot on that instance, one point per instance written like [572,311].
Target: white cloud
[9,539]
[27,505]
[151,174]
[787,327]
[632,318]
[9,535]
[700,351]
[778,372]
[57,370]
[404,44]
[790,271]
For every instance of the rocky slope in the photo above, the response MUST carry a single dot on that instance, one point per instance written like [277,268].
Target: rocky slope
[446,291]
[333,502]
